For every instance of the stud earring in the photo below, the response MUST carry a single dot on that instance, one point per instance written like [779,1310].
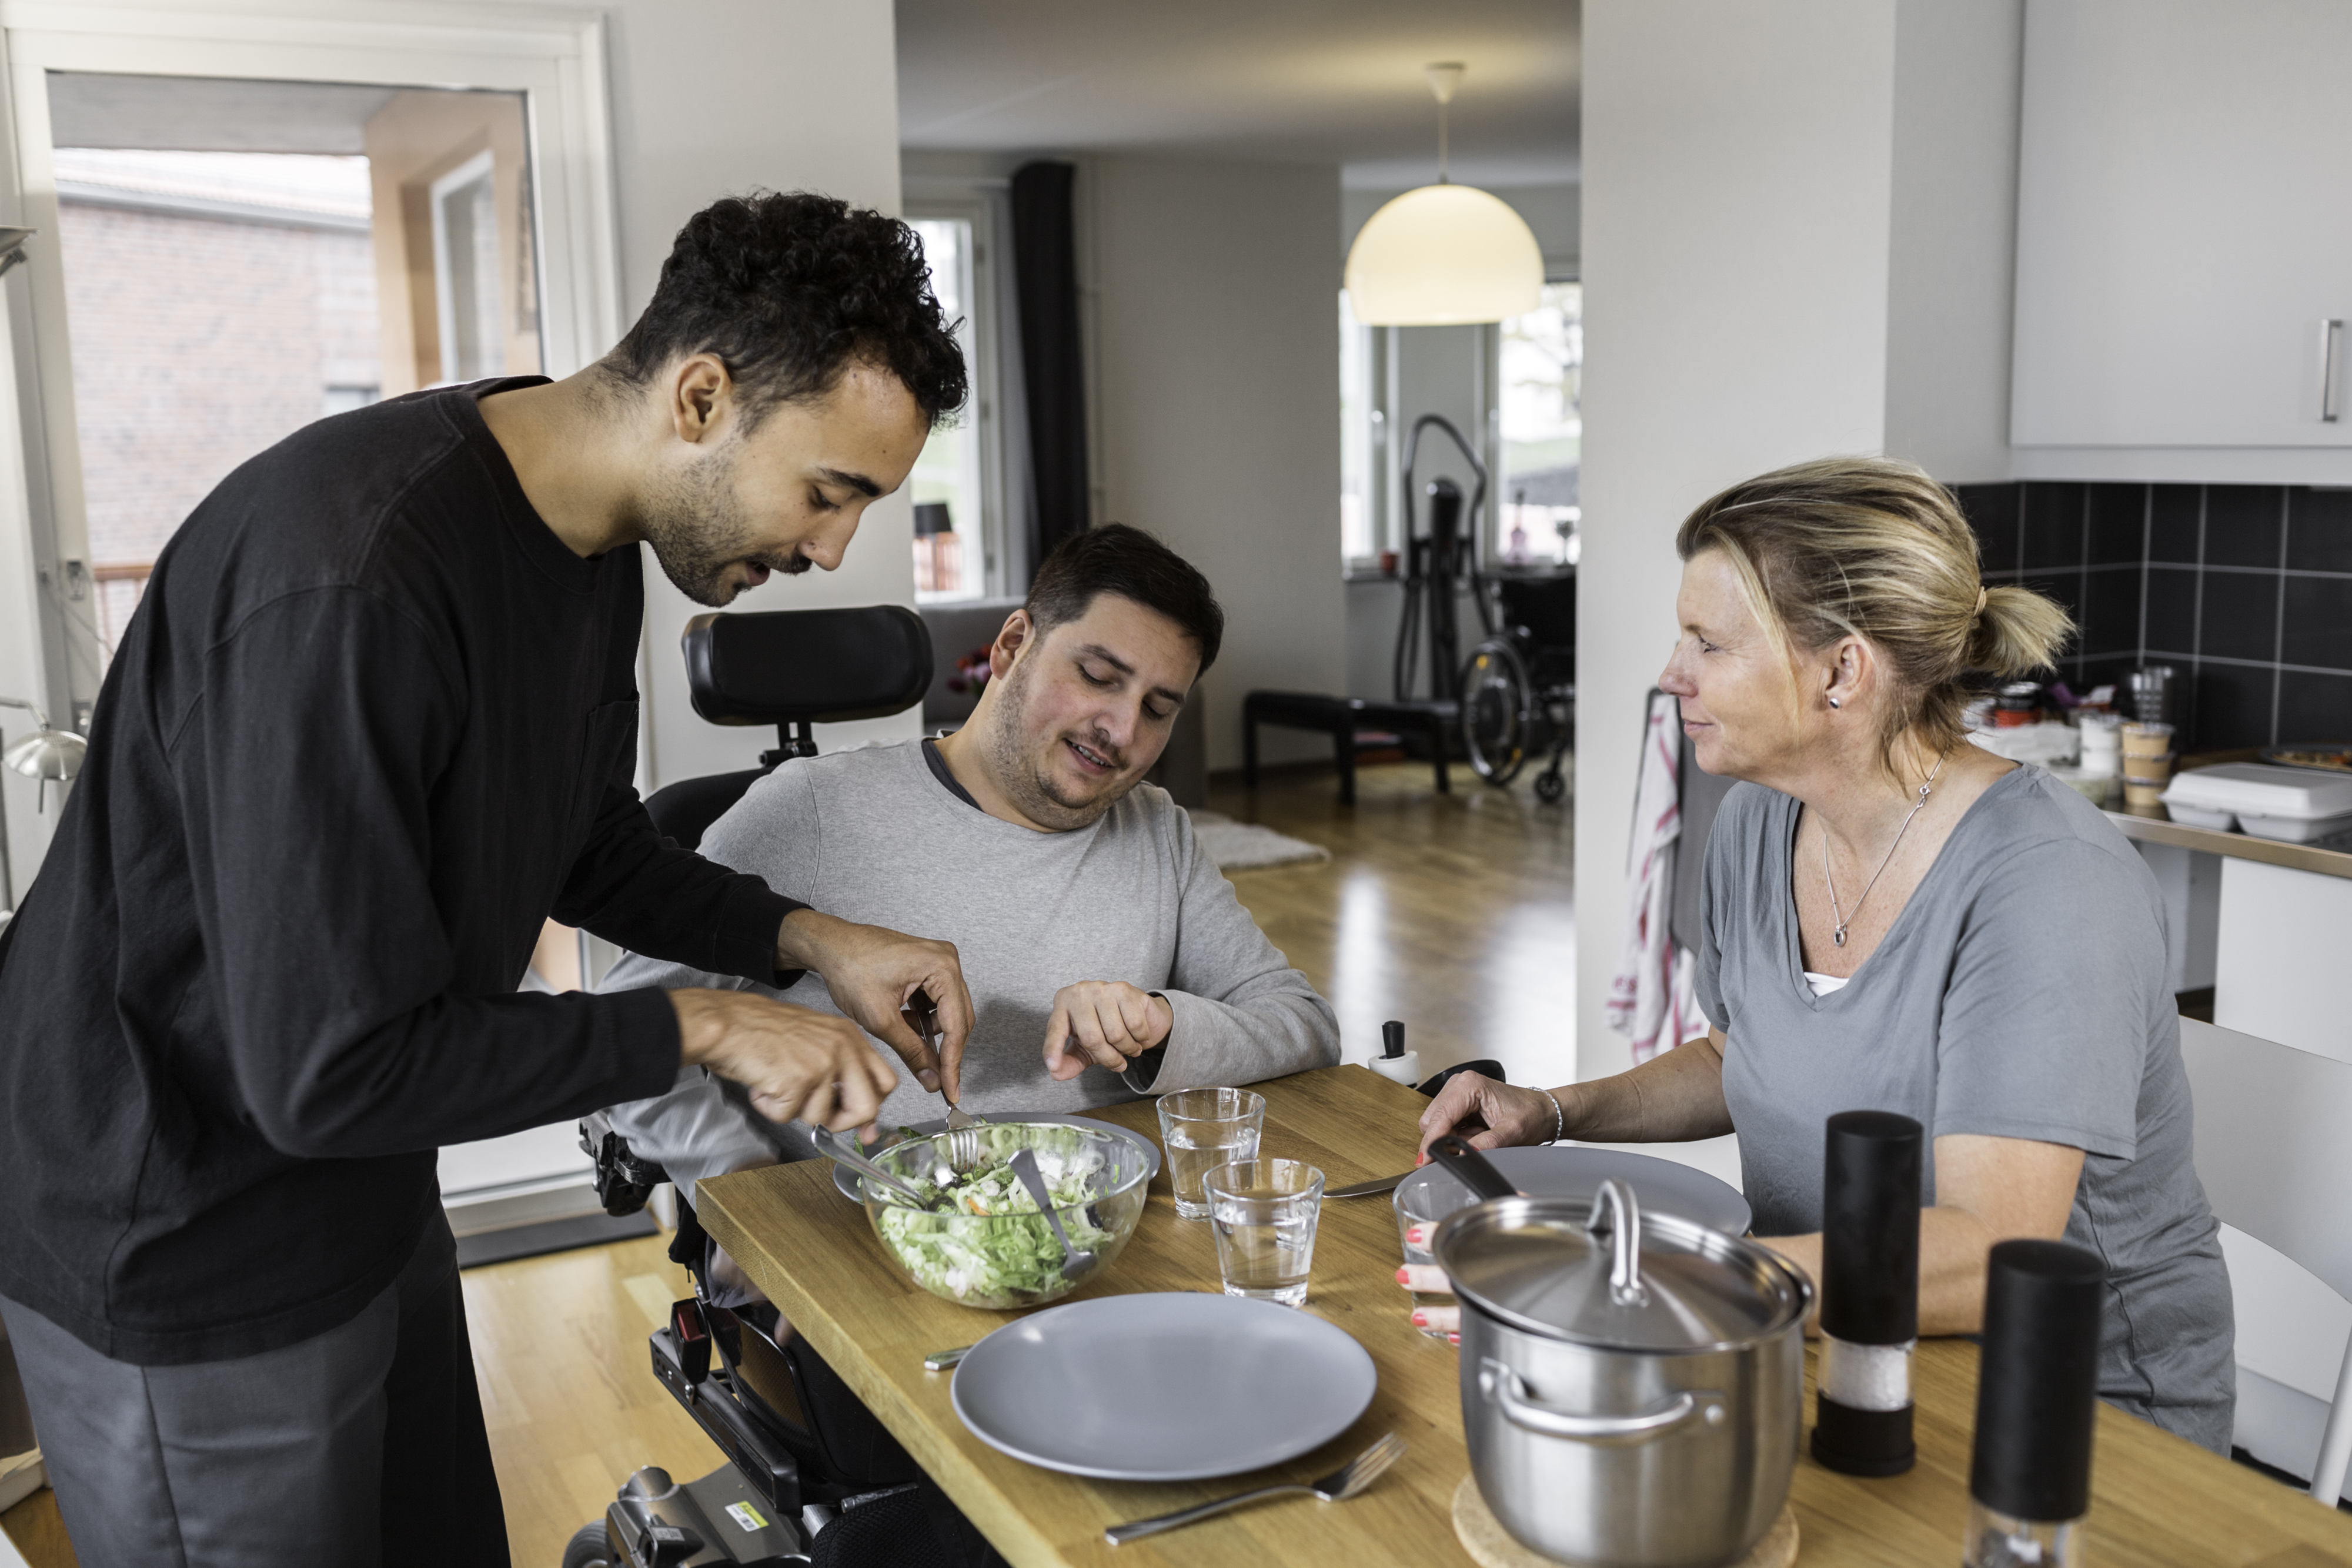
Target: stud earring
[1833,702]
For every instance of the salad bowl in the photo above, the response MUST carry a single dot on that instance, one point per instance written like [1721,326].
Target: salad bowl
[989,1245]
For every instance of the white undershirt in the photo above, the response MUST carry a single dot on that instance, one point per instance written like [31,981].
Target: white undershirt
[1824,984]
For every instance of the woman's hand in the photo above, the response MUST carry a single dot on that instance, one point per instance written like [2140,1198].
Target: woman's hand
[1491,1115]
[1429,1279]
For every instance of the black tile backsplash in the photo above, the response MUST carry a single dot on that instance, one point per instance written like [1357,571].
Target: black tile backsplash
[2319,623]
[2176,516]
[1991,511]
[2231,706]
[2245,590]
[2319,530]
[2110,611]
[2243,524]
[2171,624]
[2312,706]
[2118,523]
[2053,517]
[2239,617]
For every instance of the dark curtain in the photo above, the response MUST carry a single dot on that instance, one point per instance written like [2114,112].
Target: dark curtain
[1045,275]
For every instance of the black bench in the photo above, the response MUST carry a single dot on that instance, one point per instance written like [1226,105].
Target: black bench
[1342,719]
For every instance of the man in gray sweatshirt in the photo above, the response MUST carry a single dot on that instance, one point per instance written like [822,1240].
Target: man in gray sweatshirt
[1108,958]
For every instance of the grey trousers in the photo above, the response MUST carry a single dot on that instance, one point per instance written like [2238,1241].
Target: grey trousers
[363,1446]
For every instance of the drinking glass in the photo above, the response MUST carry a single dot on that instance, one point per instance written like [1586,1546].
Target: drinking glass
[1423,1206]
[1263,1213]
[1203,1129]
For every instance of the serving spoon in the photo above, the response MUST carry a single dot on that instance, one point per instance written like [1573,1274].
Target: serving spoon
[1024,1165]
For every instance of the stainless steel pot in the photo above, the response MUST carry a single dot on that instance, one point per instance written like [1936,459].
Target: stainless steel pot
[1632,1390]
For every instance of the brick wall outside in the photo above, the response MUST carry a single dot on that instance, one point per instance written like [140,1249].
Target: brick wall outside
[198,342]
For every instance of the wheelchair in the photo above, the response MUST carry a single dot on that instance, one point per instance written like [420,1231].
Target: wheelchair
[811,1479]
[1519,687]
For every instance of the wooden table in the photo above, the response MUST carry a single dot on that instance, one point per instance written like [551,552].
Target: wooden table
[2157,1500]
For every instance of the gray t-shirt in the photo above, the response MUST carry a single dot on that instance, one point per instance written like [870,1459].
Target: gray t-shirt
[872,835]
[2020,994]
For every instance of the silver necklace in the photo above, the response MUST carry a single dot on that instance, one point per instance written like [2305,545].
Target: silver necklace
[1843,919]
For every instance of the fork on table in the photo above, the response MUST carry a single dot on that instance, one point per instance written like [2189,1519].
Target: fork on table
[1338,1487]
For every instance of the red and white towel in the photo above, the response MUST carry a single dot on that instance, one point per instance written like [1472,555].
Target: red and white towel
[1650,1000]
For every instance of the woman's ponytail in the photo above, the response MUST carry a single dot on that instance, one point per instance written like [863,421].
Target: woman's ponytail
[2017,633]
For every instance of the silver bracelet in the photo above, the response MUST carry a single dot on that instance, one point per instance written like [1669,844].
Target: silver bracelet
[1558,1118]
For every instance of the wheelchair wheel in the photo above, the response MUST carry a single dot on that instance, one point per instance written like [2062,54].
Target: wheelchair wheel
[1550,787]
[589,1548]
[1497,711]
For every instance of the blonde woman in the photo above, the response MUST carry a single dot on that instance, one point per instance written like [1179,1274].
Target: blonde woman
[1896,919]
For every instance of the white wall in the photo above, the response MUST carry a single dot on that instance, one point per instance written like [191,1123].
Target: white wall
[1213,353]
[1736,212]
[698,113]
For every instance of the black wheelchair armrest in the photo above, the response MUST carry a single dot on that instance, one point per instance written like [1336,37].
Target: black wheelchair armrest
[624,1182]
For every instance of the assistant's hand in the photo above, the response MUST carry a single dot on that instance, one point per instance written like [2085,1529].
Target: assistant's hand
[1491,1115]
[1104,1022]
[796,1063]
[873,973]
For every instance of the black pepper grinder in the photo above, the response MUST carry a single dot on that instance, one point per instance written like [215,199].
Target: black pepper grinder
[2037,1400]
[1870,1292]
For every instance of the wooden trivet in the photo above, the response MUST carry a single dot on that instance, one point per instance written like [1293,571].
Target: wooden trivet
[1492,1546]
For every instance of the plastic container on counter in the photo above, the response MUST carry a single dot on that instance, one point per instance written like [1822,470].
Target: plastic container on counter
[2293,804]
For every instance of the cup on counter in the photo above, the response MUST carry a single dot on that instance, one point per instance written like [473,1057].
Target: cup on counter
[1203,1129]
[1263,1213]
[2147,762]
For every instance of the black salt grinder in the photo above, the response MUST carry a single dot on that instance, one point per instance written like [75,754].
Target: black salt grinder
[1870,1292]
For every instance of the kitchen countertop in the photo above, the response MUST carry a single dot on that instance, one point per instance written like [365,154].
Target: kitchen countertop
[2155,826]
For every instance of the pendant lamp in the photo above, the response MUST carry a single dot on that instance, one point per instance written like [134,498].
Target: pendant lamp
[1444,255]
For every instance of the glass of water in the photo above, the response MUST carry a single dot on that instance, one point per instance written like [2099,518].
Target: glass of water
[1263,1213]
[1203,1129]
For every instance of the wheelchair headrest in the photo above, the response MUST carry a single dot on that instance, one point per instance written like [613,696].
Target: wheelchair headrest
[826,667]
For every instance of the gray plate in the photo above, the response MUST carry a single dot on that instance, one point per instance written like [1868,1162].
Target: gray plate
[1661,1184]
[1162,1387]
[845,1179]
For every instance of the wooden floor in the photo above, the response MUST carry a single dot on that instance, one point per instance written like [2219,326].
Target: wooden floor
[1449,911]
[1453,913]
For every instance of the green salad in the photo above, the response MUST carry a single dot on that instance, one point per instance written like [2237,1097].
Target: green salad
[992,1247]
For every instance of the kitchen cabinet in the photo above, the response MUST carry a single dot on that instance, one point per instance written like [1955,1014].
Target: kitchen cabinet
[2183,244]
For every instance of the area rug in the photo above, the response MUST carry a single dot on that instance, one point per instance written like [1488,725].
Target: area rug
[1246,846]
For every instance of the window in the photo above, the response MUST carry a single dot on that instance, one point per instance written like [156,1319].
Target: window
[466,271]
[956,527]
[218,301]
[1358,483]
[1541,370]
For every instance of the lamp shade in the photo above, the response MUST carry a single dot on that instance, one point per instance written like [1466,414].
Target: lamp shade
[47,755]
[1443,255]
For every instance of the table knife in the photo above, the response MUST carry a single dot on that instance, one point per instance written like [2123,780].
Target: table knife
[1367,1189]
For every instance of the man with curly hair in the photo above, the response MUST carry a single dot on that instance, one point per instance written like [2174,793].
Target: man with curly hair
[372,724]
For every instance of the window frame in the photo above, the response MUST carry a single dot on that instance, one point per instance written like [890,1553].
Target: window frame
[986,404]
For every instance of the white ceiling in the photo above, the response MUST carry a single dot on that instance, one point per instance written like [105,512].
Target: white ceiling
[1327,81]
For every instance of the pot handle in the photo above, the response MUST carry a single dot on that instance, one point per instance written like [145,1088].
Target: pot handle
[1503,1387]
[1625,1241]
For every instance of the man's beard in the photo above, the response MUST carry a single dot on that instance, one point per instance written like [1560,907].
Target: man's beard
[1031,782]
[699,534]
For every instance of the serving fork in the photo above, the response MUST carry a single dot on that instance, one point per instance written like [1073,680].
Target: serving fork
[922,1016]
[1338,1487]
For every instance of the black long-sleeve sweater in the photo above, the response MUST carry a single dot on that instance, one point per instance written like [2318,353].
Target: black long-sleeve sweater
[372,724]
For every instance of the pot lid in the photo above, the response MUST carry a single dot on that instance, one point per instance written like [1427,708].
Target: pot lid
[1605,1275]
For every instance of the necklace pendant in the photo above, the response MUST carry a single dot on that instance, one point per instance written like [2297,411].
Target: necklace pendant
[1838,935]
